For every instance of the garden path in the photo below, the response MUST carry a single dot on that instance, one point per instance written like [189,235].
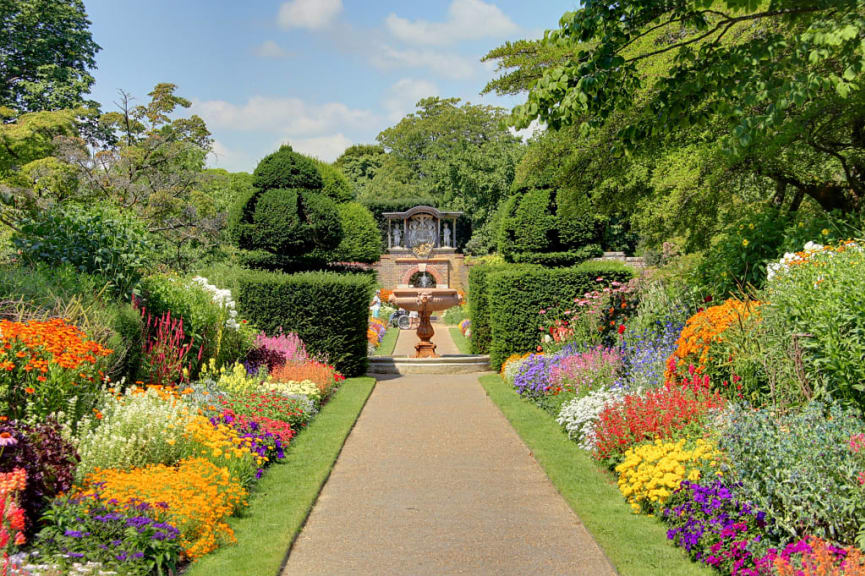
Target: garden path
[442,339]
[433,480]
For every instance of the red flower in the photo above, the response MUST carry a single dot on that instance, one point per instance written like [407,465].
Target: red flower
[621,328]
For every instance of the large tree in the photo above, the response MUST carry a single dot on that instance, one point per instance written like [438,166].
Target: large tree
[46,52]
[779,81]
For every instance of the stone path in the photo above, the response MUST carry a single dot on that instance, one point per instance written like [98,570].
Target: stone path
[433,480]
[442,339]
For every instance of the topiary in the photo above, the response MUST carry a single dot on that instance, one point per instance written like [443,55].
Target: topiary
[361,240]
[284,169]
[575,219]
[286,223]
[335,185]
[528,224]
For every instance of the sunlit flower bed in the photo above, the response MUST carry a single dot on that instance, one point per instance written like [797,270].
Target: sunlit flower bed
[104,478]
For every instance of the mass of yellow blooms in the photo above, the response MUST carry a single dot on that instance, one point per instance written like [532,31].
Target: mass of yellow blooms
[651,472]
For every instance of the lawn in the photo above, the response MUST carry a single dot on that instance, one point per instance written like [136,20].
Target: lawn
[286,493]
[636,545]
[388,343]
[460,340]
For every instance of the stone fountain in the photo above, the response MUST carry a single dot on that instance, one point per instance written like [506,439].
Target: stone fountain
[425,301]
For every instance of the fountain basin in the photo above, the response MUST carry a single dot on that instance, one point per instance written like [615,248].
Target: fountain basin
[425,301]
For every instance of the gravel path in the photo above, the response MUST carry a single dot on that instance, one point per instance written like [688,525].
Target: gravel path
[433,480]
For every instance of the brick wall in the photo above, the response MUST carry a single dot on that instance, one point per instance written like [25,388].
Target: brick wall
[394,270]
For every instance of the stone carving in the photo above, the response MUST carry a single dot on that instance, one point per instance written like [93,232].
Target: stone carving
[397,237]
[421,230]
[447,237]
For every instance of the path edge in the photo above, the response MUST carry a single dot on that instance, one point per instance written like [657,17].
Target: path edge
[324,481]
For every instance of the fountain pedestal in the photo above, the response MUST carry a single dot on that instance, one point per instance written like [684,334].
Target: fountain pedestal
[425,301]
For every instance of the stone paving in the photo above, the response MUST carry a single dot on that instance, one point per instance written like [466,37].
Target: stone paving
[433,480]
[442,339]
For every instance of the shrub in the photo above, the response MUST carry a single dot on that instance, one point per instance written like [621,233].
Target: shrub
[361,241]
[816,309]
[455,315]
[716,528]
[575,219]
[95,241]
[328,311]
[46,457]
[651,472]
[196,496]
[127,538]
[528,224]
[334,183]
[285,169]
[519,292]
[797,468]
[479,307]
[559,259]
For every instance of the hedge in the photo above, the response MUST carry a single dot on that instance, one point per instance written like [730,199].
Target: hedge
[360,239]
[328,311]
[479,306]
[560,259]
[515,294]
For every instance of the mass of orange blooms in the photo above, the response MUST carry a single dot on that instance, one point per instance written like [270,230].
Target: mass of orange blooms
[45,343]
[706,328]
[196,496]
[322,374]
[821,560]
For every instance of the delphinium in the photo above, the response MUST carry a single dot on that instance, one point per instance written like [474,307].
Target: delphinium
[716,528]
[646,354]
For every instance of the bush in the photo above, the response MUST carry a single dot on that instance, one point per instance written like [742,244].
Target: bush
[559,259]
[206,320]
[328,311]
[455,315]
[521,291]
[96,240]
[286,169]
[361,241]
[575,219]
[797,468]
[334,183]
[528,224]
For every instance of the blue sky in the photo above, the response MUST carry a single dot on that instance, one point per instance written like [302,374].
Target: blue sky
[318,74]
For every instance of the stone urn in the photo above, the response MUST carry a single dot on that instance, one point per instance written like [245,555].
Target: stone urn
[425,301]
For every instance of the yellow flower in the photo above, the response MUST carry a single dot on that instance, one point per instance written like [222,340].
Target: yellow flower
[745,242]
[824,232]
[751,225]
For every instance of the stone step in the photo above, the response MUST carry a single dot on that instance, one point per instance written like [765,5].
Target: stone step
[445,364]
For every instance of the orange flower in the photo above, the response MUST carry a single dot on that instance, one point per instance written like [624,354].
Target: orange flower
[29,390]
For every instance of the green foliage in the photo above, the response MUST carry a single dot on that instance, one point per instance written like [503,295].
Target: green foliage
[286,169]
[529,224]
[559,259]
[455,315]
[46,50]
[517,293]
[206,322]
[98,240]
[60,291]
[292,228]
[334,183]
[575,219]
[361,241]
[797,468]
[480,306]
[328,311]
[360,163]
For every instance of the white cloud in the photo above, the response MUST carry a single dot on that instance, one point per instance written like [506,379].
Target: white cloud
[270,50]
[527,133]
[444,64]
[404,94]
[466,20]
[221,156]
[326,148]
[286,116]
[311,14]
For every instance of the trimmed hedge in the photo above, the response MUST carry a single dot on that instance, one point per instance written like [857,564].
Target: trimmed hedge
[360,241]
[334,183]
[479,310]
[560,259]
[328,311]
[515,294]
[286,169]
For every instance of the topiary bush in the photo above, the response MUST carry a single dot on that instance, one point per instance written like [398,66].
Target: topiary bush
[285,169]
[98,240]
[559,259]
[479,306]
[516,294]
[334,183]
[286,223]
[575,219]
[328,311]
[529,224]
[361,241]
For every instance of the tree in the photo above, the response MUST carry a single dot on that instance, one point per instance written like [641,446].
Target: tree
[46,51]
[780,80]
[461,155]
[360,163]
